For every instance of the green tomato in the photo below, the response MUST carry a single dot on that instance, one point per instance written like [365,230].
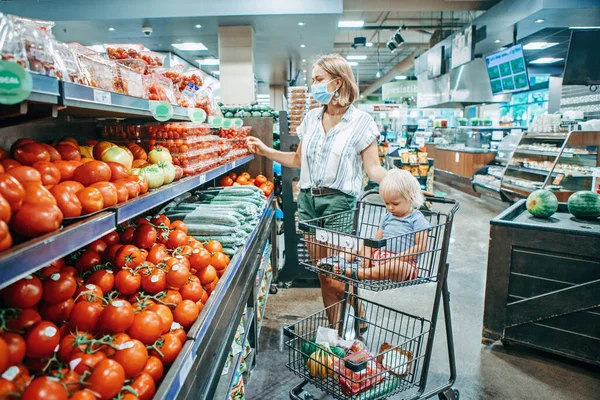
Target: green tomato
[168,171]
[159,154]
[154,176]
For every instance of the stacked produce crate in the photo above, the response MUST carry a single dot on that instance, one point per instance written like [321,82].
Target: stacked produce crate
[298,106]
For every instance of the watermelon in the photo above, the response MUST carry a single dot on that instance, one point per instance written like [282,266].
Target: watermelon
[542,203]
[584,204]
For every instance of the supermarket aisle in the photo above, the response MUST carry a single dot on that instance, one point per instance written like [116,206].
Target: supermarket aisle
[483,372]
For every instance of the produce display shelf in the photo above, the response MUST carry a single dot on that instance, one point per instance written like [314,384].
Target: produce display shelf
[226,382]
[90,101]
[538,153]
[153,198]
[26,258]
[488,187]
[263,266]
[264,307]
[196,373]
[544,172]
[45,89]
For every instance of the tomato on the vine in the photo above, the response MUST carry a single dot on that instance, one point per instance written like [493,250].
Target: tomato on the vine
[154,280]
[111,252]
[157,254]
[144,236]
[200,259]
[176,239]
[42,339]
[219,261]
[58,288]
[132,355]
[107,379]
[25,319]
[117,316]
[154,367]
[186,313]
[170,348]
[111,238]
[46,388]
[128,256]
[24,293]
[160,219]
[165,314]
[128,281]
[172,298]
[68,347]
[192,290]
[86,361]
[146,327]
[213,246]
[145,386]
[177,275]
[82,395]
[207,275]
[104,279]
[88,260]
[57,312]
[85,316]
[179,225]
[16,347]
[126,237]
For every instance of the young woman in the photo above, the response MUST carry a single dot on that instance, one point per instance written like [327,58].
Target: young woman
[337,141]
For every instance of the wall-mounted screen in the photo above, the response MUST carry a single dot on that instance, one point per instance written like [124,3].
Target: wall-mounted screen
[507,70]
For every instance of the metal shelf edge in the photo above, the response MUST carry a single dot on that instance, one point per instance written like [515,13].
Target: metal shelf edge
[177,373]
[27,257]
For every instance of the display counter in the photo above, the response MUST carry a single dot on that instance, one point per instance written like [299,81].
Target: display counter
[543,283]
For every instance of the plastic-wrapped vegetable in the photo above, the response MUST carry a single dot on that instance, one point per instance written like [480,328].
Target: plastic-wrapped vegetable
[12,47]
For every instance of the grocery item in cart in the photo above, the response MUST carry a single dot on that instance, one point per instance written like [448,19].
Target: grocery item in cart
[395,360]
[365,372]
[159,88]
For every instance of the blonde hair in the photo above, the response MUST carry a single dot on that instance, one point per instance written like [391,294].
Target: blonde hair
[337,66]
[400,183]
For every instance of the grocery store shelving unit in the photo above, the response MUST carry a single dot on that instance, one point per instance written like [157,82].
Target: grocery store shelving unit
[196,371]
[560,162]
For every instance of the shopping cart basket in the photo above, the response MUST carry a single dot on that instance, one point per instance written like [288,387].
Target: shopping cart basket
[342,247]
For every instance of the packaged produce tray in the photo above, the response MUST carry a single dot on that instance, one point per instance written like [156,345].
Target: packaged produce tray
[188,144]
[187,159]
[177,130]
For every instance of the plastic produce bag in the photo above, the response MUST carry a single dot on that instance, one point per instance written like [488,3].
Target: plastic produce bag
[36,36]
[206,101]
[159,88]
[67,63]
[12,47]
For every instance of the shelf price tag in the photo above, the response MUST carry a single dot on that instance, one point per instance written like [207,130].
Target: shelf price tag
[185,369]
[196,115]
[102,97]
[233,164]
[202,179]
[161,110]
[15,83]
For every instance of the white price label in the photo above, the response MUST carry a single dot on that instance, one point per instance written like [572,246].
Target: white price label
[234,164]
[185,369]
[202,179]
[100,96]
[457,157]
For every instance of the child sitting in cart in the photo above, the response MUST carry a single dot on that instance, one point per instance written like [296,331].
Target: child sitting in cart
[404,226]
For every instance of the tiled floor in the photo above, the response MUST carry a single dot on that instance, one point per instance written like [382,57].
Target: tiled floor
[484,372]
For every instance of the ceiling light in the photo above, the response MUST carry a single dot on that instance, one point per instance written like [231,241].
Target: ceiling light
[304,71]
[584,27]
[356,57]
[97,47]
[303,46]
[400,77]
[111,29]
[304,60]
[189,46]
[538,45]
[300,23]
[378,74]
[540,20]
[497,41]
[398,38]
[391,45]
[208,61]
[198,26]
[263,96]
[353,63]
[217,72]
[369,44]
[546,60]
[351,24]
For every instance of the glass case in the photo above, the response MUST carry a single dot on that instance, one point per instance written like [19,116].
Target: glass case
[563,163]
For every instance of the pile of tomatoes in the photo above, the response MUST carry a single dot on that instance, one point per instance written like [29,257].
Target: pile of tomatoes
[108,320]
[245,179]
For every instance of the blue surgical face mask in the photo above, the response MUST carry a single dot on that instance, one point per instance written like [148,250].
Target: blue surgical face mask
[320,93]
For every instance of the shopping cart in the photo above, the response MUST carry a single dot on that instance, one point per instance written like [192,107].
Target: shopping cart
[342,247]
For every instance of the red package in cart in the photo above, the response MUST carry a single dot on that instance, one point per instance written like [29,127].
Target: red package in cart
[354,382]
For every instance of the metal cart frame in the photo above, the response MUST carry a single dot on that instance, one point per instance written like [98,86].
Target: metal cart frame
[442,295]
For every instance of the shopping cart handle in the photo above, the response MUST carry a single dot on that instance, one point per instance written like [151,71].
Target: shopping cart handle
[438,199]
[303,226]
[288,331]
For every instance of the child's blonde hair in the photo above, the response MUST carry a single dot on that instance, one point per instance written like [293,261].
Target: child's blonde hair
[400,183]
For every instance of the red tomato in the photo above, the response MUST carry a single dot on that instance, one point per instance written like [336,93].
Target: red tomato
[219,261]
[180,334]
[141,182]
[179,225]
[226,181]
[145,386]
[9,163]
[68,151]
[126,237]
[117,316]
[67,201]
[186,313]
[98,245]
[45,388]
[4,356]
[133,189]
[85,316]
[160,220]
[128,256]
[154,367]
[91,200]
[36,219]
[111,238]
[49,172]
[57,313]
[146,327]
[83,395]
[100,148]
[213,246]
[66,169]
[54,154]
[122,192]
[127,281]
[30,153]
[92,172]
[5,236]
[200,259]
[25,320]
[132,355]
[176,239]
[177,275]
[157,254]
[154,280]
[35,193]
[118,171]
[192,290]
[107,379]
[172,298]
[15,348]
[104,279]
[207,275]
[25,174]
[108,192]
[6,388]
[72,186]
[165,315]
[89,292]
[86,362]
[24,293]
[12,191]
[87,260]
[144,236]
[171,347]
[42,339]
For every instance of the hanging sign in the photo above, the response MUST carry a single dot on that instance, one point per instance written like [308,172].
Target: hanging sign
[197,115]
[399,90]
[161,110]
[215,122]
[227,123]
[237,122]
[15,83]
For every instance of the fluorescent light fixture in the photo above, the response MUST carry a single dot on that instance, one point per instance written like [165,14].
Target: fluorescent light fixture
[546,60]
[97,47]
[302,46]
[538,45]
[540,20]
[351,24]
[189,46]
[400,77]
[584,27]
[378,74]
[304,71]
[304,60]
[356,57]
[497,41]
[353,63]
[369,44]
[263,96]
[111,29]
[208,61]
[198,26]
[300,23]
[217,73]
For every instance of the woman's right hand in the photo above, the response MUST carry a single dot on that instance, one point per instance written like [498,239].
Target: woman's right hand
[256,146]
